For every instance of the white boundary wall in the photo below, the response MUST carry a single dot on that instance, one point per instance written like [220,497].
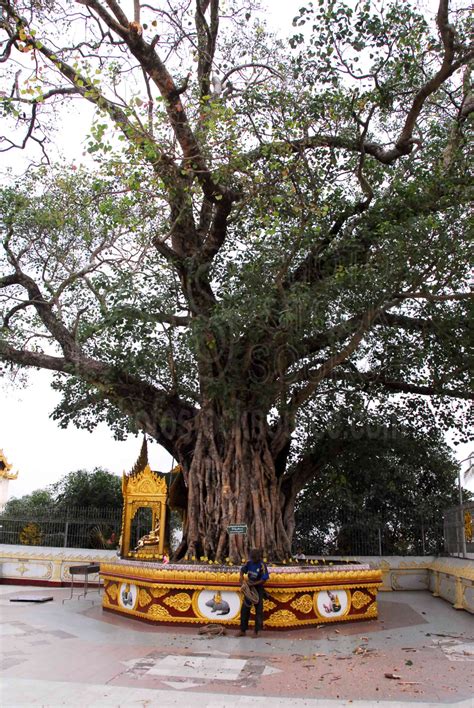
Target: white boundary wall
[447,577]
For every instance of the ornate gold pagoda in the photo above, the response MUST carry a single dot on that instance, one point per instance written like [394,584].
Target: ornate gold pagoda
[5,468]
[5,477]
[144,488]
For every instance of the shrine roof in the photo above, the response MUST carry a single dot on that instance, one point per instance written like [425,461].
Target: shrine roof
[5,468]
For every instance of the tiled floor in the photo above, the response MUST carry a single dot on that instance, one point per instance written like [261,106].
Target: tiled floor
[75,654]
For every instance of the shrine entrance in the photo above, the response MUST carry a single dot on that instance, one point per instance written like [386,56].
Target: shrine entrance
[144,512]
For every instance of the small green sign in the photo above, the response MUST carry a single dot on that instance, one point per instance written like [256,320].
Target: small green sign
[237,528]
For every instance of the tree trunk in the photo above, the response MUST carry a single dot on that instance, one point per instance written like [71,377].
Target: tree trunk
[231,479]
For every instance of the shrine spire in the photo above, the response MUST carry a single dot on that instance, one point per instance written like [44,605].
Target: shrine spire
[142,460]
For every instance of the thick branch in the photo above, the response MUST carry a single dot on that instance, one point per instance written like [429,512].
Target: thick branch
[164,416]
[119,13]
[217,232]
[379,378]
[93,95]
[404,143]
[160,317]
[45,312]
[207,36]
[29,358]
[431,297]
[159,74]
[317,265]
[304,393]
[320,341]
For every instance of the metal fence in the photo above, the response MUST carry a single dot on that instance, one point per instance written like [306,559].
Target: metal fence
[86,527]
[459,530]
[350,535]
[81,527]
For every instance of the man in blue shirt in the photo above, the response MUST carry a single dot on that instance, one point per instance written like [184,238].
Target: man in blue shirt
[257,573]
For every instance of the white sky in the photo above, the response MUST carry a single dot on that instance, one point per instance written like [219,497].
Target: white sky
[40,450]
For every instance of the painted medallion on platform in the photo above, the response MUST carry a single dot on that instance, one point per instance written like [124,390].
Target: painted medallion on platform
[215,605]
[332,603]
[128,596]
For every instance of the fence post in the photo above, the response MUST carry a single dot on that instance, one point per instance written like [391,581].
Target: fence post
[66,528]
[463,533]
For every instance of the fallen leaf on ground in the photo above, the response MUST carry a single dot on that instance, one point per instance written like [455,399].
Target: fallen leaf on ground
[392,676]
[362,650]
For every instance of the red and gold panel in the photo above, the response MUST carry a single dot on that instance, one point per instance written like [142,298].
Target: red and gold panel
[295,597]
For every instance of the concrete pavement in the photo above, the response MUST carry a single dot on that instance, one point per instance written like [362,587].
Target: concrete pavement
[75,654]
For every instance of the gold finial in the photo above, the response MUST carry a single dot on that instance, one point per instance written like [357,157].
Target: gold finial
[142,461]
[5,468]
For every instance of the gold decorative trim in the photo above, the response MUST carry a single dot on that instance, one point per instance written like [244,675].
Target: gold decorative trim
[34,567]
[195,605]
[172,584]
[281,595]
[158,612]
[468,526]
[181,602]
[112,590]
[176,619]
[281,618]
[143,598]
[303,604]
[28,553]
[360,599]
[372,611]
[5,468]
[106,603]
[413,565]
[283,580]
[181,590]
[465,571]
[268,605]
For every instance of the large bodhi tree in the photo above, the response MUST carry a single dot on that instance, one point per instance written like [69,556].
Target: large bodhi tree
[270,232]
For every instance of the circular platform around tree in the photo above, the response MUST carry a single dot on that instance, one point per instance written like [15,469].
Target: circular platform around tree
[297,595]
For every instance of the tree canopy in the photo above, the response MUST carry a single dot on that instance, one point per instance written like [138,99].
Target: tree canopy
[398,481]
[272,231]
[36,503]
[96,489]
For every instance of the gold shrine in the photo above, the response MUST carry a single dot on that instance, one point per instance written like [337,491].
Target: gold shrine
[5,468]
[6,475]
[144,488]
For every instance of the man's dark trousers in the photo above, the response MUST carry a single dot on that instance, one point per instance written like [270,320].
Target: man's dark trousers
[245,612]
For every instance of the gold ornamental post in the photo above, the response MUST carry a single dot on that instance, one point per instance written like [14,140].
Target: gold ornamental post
[144,488]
